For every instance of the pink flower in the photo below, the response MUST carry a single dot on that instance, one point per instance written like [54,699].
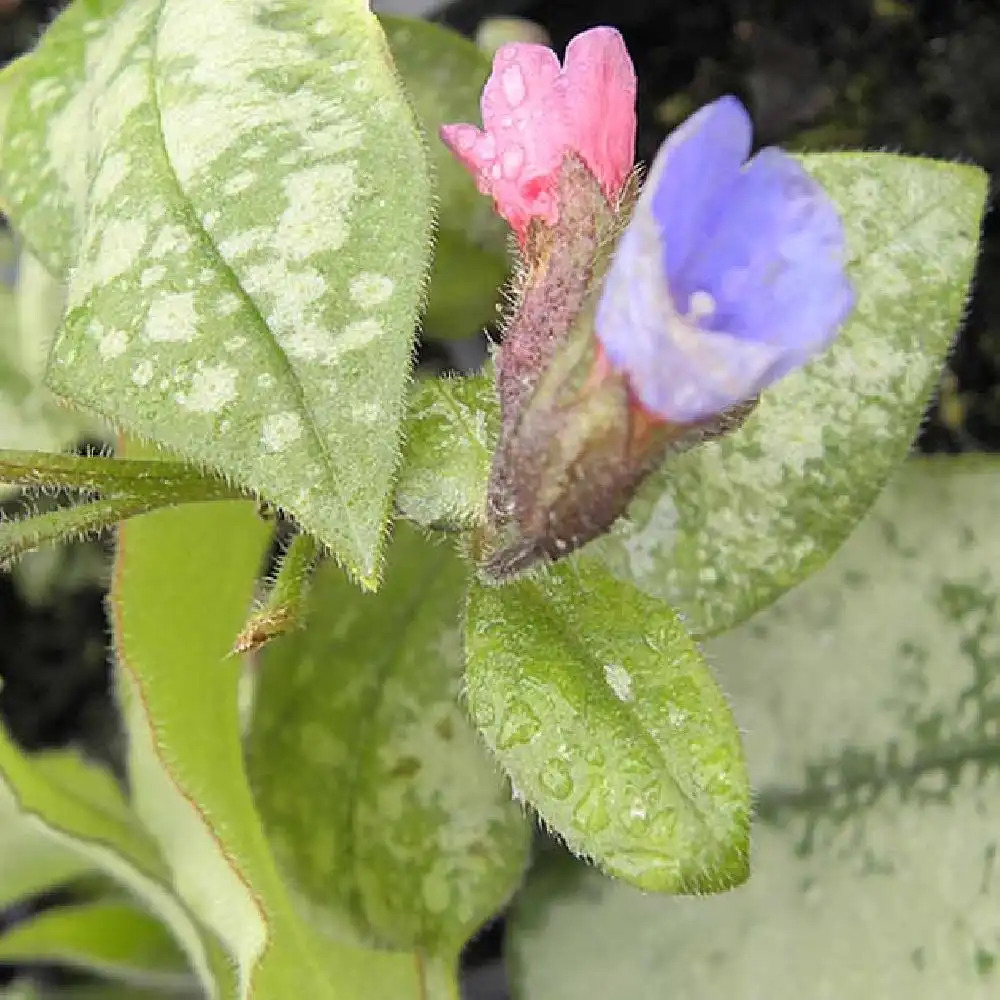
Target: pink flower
[535,112]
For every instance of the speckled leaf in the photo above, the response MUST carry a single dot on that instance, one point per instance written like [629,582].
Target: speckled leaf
[45,102]
[184,578]
[80,816]
[724,529]
[609,722]
[422,842]
[107,938]
[869,700]
[444,75]
[253,233]
[450,434]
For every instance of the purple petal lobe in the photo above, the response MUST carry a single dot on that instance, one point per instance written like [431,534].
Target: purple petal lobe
[772,262]
[677,370]
[698,160]
[728,276]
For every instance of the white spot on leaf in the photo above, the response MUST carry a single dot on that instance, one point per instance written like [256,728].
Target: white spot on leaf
[279,430]
[320,200]
[113,344]
[619,680]
[142,374]
[369,289]
[212,388]
[172,318]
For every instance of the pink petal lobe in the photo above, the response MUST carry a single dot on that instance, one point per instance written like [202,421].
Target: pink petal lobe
[523,114]
[600,88]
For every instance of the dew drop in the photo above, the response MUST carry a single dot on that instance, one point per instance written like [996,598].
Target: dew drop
[512,81]
[465,138]
[518,727]
[591,813]
[512,161]
[556,778]
[636,820]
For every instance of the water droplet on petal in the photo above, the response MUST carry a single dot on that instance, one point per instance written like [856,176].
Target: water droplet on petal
[465,138]
[512,81]
[513,160]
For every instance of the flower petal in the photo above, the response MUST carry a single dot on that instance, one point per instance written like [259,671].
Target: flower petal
[600,87]
[517,157]
[693,167]
[772,261]
[677,371]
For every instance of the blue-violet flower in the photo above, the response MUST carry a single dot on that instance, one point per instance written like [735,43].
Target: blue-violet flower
[730,274]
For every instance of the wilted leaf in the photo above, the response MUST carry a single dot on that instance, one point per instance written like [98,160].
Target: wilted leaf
[76,810]
[112,939]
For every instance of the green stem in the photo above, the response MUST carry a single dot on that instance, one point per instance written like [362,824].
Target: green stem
[80,520]
[101,474]
[284,608]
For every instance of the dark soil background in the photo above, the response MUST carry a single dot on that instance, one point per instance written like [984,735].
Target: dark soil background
[914,77]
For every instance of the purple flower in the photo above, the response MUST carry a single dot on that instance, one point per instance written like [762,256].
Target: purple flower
[729,276]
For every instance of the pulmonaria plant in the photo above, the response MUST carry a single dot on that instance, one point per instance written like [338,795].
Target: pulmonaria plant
[639,325]
[243,217]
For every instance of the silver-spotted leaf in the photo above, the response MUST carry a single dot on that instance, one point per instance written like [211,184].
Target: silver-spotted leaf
[869,701]
[382,803]
[724,529]
[450,434]
[45,102]
[602,710]
[252,211]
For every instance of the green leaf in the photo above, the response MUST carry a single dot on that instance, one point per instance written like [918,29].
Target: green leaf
[30,864]
[609,722]
[184,579]
[106,938]
[77,810]
[444,75]
[724,529]
[44,134]
[41,302]
[450,435]
[422,843]
[869,696]
[78,521]
[252,233]
[29,313]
